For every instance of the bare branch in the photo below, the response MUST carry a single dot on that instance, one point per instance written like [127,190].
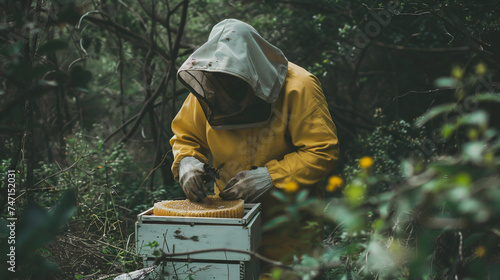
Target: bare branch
[434,50]
[165,256]
[356,113]
[138,39]
[136,115]
[135,13]
[57,173]
[146,106]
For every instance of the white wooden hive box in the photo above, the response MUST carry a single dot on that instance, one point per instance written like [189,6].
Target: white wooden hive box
[184,234]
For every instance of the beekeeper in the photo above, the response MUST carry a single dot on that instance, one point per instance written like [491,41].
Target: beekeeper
[265,119]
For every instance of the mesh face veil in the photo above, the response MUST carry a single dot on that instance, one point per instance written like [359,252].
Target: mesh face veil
[227,101]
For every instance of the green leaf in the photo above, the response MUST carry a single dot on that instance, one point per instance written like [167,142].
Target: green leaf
[64,209]
[309,261]
[152,244]
[479,118]
[446,82]
[379,257]
[41,226]
[82,89]
[47,83]
[311,225]
[406,168]
[301,196]
[448,130]
[469,206]
[345,216]
[493,97]
[378,224]
[384,209]
[463,179]
[355,193]
[52,46]
[279,195]
[434,112]
[458,194]
[473,151]
[274,223]
[276,273]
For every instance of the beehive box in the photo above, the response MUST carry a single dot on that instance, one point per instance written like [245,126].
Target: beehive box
[184,234]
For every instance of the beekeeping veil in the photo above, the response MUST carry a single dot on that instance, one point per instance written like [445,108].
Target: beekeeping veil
[236,76]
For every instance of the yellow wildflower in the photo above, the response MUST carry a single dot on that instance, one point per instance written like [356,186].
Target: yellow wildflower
[457,72]
[489,157]
[366,162]
[355,194]
[291,187]
[276,273]
[480,69]
[334,183]
[480,251]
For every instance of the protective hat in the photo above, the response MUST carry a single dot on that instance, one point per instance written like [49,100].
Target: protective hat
[236,76]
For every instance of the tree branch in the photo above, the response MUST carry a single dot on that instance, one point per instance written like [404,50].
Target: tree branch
[434,50]
[139,40]
[368,120]
[146,106]
[123,125]
[165,256]
[57,173]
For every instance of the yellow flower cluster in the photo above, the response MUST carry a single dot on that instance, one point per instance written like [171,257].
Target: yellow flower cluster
[291,187]
[366,162]
[480,69]
[480,251]
[334,183]
[457,72]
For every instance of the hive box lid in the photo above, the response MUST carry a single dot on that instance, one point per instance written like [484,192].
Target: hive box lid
[250,210]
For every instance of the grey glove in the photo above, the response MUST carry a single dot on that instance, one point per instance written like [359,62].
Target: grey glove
[248,185]
[191,178]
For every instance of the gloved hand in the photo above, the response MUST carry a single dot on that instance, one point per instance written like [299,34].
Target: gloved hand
[191,178]
[248,185]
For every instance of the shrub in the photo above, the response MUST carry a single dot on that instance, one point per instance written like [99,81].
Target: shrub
[437,220]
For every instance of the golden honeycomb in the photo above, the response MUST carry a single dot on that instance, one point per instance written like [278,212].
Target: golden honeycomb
[211,206]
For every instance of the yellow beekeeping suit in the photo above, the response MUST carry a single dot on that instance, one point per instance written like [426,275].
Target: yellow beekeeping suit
[298,144]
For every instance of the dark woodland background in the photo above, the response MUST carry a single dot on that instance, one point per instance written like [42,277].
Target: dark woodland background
[88,92]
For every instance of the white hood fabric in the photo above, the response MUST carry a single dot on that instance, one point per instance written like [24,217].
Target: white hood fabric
[237,49]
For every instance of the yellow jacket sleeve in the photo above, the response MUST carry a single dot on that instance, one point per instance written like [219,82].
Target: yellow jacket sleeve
[189,128]
[312,132]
